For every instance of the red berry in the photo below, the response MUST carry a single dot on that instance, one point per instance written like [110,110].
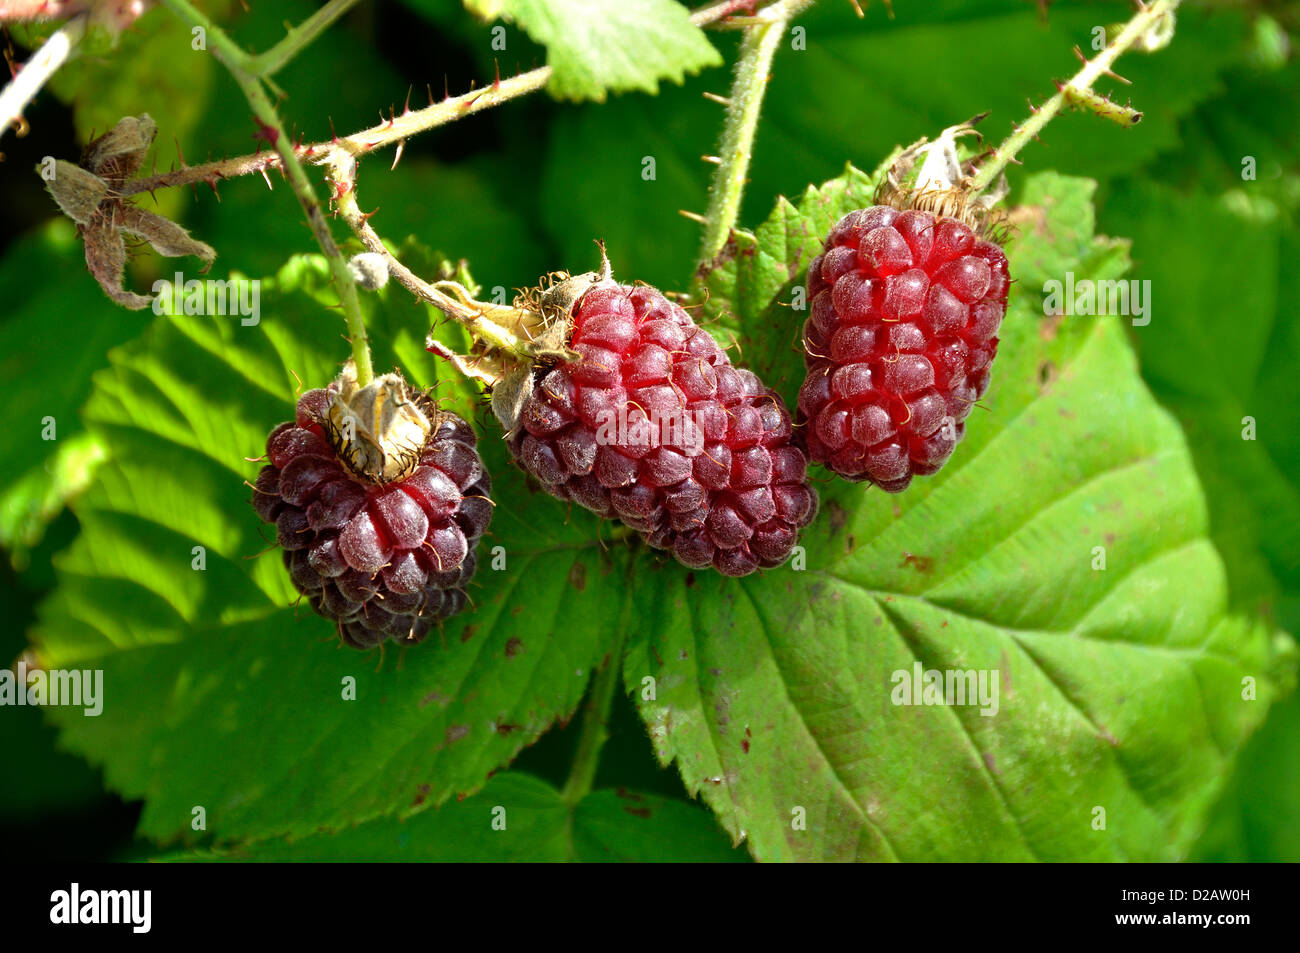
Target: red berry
[902,330]
[383,560]
[652,425]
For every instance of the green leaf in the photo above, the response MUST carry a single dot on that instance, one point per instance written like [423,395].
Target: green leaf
[594,47]
[218,694]
[1120,688]
[515,817]
[1256,819]
[55,333]
[1222,355]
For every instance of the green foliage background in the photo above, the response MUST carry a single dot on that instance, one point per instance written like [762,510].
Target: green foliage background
[1122,689]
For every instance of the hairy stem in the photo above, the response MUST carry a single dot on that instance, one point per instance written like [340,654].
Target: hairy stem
[231,55]
[753,68]
[1142,22]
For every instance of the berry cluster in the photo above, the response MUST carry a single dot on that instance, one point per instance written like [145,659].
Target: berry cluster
[905,313]
[385,560]
[650,423]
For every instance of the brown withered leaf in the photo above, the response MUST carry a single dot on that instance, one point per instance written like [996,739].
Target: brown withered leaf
[118,154]
[77,191]
[106,258]
[166,237]
[90,195]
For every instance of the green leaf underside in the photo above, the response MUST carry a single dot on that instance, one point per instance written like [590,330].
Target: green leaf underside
[595,47]
[516,817]
[217,692]
[1121,689]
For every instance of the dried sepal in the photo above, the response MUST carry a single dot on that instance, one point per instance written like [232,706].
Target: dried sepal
[379,430]
[77,192]
[165,236]
[935,176]
[90,195]
[106,259]
[118,154]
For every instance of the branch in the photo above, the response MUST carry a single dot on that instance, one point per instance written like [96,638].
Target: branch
[1076,90]
[396,129]
[230,54]
[299,37]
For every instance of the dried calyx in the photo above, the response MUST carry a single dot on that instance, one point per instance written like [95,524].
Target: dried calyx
[524,341]
[90,195]
[378,431]
[935,177]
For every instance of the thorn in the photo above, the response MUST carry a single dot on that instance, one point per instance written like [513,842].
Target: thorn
[406,107]
[1113,75]
[446,92]
[1079,53]
[856,8]
[693,216]
[720,100]
[401,144]
[713,159]
[334,136]
[496,69]
[267,178]
[429,89]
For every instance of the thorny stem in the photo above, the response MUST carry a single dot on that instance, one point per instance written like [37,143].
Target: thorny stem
[478,320]
[753,68]
[394,130]
[230,54]
[595,726]
[38,70]
[1142,22]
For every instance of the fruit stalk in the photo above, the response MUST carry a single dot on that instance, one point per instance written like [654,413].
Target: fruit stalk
[762,37]
[232,56]
[1143,22]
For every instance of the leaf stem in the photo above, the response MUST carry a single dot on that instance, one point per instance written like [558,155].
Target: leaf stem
[595,725]
[1141,23]
[299,37]
[230,54]
[753,69]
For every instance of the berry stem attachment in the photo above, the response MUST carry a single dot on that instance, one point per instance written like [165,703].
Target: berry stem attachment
[753,69]
[232,56]
[595,725]
[1149,19]
[477,316]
